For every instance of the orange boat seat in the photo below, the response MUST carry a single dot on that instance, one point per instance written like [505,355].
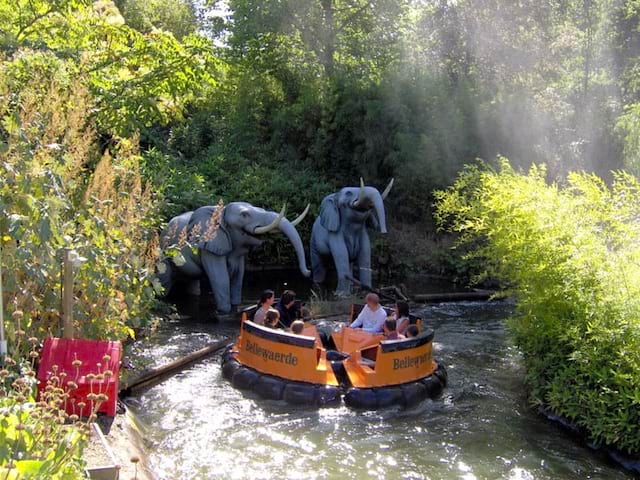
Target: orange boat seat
[394,362]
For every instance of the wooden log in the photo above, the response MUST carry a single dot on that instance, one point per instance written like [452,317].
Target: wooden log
[152,376]
[452,296]
[67,295]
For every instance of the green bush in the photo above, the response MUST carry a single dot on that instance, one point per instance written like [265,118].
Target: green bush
[57,191]
[570,255]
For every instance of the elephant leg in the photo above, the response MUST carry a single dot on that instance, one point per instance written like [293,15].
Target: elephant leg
[343,265]
[237,278]
[165,274]
[216,269]
[193,288]
[364,260]
[317,266]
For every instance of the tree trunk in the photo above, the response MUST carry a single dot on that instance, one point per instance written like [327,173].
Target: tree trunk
[329,37]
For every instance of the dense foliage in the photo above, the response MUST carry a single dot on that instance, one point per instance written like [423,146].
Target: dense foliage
[570,255]
[338,89]
[77,86]
[57,191]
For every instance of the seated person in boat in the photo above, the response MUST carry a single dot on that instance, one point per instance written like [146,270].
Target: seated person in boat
[391,329]
[267,299]
[287,308]
[272,318]
[371,318]
[297,326]
[402,317]
[412,331]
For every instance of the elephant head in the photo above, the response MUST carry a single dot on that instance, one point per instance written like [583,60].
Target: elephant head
[240,227]
[355,205]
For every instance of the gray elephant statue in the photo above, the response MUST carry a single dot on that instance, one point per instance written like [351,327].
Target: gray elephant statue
[340,232]
[213,241]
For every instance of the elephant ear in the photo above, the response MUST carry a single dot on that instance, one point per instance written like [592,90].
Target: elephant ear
[212,238]
[330,214]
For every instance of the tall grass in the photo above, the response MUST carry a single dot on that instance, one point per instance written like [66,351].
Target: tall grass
[57,190]
[571,256]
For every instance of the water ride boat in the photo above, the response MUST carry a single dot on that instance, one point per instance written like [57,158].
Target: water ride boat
[322,368]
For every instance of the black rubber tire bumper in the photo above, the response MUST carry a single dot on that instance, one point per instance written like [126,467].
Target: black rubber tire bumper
[405,395]
[275,388]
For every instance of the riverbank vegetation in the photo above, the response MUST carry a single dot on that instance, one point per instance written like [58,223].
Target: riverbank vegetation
[569,253]
[77,86]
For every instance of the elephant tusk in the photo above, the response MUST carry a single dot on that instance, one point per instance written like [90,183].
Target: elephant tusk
[362,195]
[272,225]
[388,189]
[301,216]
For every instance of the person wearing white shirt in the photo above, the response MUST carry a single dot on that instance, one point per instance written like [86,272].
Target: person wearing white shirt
[372,317]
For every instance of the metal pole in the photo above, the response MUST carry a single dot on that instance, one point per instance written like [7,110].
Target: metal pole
[3,342]
[67,294]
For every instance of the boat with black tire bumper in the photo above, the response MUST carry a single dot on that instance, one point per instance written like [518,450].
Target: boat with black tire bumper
[323,368]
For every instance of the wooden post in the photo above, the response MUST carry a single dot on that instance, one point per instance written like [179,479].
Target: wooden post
[67,294]
[3,342]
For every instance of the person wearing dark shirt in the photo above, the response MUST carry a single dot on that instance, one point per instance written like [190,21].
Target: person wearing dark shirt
[287,308]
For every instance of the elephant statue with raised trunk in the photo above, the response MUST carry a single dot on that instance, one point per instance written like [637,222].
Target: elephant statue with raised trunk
[214,240]
[340,232]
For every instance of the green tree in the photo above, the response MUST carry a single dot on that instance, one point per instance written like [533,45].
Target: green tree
[175,16]
[138,80]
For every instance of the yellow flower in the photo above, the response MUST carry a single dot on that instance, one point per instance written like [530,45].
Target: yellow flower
[6,238]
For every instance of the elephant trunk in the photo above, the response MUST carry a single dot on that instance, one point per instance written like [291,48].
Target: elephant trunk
[378,204]
[292,234]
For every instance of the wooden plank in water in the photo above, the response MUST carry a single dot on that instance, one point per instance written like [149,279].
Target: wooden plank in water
[155,375]
[453,296]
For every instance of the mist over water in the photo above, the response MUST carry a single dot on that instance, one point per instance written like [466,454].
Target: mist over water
[544,79]
[198,426]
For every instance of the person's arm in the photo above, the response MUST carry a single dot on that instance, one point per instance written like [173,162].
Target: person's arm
[359,319]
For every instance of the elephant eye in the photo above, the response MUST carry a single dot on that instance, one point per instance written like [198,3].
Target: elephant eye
[245,214]
[349,194]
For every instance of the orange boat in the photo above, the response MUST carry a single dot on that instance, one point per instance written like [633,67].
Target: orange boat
[325,368]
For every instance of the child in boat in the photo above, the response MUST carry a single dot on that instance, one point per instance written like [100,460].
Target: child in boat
[287,308]
[391,329]
[371,318]
[412,331]
[297,326]
[402,317]
[266,300]
[272,318]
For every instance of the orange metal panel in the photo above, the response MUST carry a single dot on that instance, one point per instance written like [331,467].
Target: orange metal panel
[275,356]
[391,368]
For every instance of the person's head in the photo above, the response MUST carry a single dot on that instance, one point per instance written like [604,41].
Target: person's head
[272,318]
[389,325]
[373,301]
[288,298]
[402,309]
[412,331]
[267,298]
[297,327]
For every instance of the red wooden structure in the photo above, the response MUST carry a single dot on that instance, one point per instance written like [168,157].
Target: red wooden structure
[91,364]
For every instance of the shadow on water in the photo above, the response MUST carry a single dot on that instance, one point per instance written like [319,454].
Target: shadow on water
[198,426]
